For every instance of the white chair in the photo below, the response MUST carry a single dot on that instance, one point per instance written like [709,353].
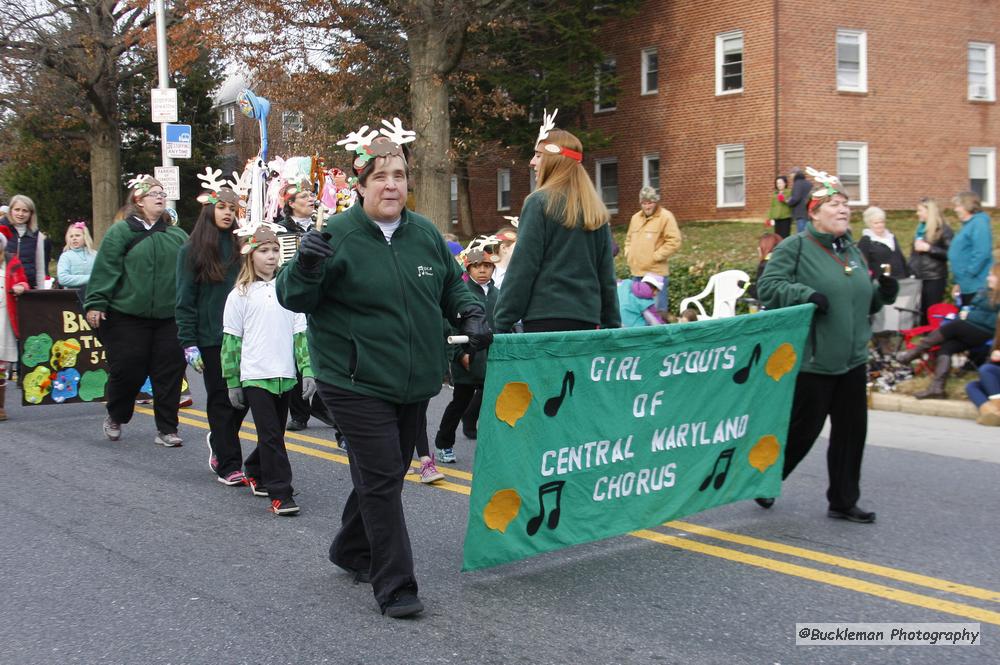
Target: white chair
[728,286]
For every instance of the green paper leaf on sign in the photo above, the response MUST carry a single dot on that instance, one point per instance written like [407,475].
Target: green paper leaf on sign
[36,350]
[92,385]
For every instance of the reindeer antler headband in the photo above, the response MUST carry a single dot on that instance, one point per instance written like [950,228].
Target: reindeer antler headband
[142,183]
[368,145]
[217,190]
[830,183]
[541,143]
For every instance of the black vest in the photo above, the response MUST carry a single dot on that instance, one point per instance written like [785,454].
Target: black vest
[25,248]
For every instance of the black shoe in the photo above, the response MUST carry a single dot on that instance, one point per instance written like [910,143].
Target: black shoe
[296,426]
[470,434]
[403,604]
[765,503]
[852,514]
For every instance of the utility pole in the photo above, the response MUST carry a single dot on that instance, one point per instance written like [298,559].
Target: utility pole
[164,82]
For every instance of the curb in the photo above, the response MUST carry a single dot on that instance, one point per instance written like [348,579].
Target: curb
[930,407]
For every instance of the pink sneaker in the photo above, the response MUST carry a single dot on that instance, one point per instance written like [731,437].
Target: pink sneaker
[231,479]
[429,472]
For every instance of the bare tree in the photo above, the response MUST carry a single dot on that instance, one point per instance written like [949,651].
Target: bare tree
[93,45]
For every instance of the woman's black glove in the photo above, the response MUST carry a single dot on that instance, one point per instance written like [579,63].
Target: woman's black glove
[888,286]
[314,248]
[473,323]
[821,301]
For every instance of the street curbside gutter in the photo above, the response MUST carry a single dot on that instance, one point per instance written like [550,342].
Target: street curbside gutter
[928,407]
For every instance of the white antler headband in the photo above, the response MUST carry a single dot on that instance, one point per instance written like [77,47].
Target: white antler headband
[142,183]
[367,145]
[513,220]
[216,189]
[831,183]
[548,124]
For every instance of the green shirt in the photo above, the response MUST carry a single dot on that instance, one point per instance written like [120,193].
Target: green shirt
[200,304]
[142,281]
[558,273]
[375,308]
[808,263]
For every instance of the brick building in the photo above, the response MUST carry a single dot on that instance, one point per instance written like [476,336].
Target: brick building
[715,98]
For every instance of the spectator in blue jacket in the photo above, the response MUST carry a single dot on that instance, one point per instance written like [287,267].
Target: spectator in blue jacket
[971,251]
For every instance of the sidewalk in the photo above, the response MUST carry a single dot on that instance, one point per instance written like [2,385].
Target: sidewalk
[936,435]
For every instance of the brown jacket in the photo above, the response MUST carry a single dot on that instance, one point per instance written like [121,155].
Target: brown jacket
[651,241]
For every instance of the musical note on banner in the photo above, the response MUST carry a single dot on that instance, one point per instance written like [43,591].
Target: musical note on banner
[743,373]
[554,487]
[552,404]
[720,478]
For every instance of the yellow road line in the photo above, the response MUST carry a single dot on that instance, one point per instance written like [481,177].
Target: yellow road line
[832,579]
[322,454]
[841,562]
[456,473]
[774,565]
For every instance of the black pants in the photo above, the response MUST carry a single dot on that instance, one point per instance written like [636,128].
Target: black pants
[223,420]
[783,226]
[269,460]
[373,534]
[136,348]
[961,336]
[843,398]
[470,419]
[302,410]
[931,293]
[461,398]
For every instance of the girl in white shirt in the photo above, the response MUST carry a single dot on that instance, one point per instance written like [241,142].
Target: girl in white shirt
[263,343]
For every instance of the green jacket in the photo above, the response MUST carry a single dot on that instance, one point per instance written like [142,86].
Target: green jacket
[476,374]
[780,209]
[141,281]
[801,266]
[200,305]
[558,273]
[375,309]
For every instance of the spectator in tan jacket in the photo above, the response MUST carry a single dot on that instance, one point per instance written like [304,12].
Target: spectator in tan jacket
[653,237]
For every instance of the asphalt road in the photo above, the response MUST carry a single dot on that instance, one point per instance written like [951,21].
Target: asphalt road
[132,553]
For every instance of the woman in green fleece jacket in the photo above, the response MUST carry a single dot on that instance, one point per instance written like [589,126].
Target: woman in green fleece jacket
[375,289]
[562,274]
[207,266]
[130,300]
[822,265]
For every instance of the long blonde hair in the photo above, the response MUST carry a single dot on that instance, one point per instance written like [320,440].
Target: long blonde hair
[88,241]
[570,189]
[247,274]
[934,226]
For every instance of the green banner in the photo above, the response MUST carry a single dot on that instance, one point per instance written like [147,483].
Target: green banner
[588,435]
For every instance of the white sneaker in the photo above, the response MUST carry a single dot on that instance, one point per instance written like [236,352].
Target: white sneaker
[112,430]
[168,440]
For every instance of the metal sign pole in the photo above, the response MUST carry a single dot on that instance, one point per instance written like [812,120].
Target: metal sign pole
[164,83]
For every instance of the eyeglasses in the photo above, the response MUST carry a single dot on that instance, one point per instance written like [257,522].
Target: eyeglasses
[157,195]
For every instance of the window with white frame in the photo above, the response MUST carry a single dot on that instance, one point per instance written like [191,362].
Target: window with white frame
[532,185]
[729,62]
[983,174]
[650,71]
[852,169]
[605,88]
[454,199]
[730,176]
[852,60]
[651,171]
[607,182]
[503,189]
[982,72]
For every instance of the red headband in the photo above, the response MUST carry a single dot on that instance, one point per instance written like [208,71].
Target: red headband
[572,154]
